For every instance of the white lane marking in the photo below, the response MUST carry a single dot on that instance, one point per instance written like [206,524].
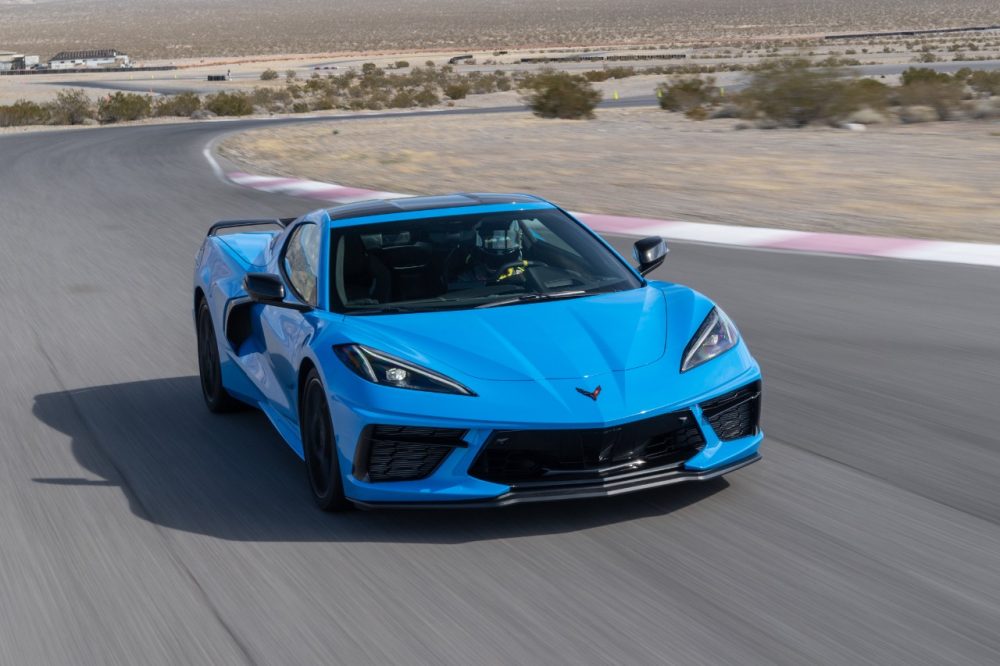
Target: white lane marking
[978,254]
[216,169]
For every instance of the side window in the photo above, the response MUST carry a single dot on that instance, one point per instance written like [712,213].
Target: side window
[301,261]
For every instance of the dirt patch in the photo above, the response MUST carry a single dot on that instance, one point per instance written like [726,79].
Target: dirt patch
[930,181]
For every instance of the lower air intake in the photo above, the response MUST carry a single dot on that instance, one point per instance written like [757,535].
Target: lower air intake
[735,414]
[521,457]
[404,453]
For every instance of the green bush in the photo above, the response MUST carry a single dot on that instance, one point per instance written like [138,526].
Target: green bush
[794,94]
[403,100]
[943,96]
[402,64]
[70,107]
[985,82]
[121,106]
[183,104]
[553,94]
[456,90]
[925,87]
[687,94]
[23,112]
[427,97]
[861,93]
[598,75]
[229,104]
[268,75]
[290,75]
[324,104]
[914,75]
[300,107]
[697,113]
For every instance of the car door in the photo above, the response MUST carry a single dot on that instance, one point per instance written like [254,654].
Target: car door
[287,331]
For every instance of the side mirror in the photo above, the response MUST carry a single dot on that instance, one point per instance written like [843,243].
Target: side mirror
[269,289]
[650,253]
[266,289]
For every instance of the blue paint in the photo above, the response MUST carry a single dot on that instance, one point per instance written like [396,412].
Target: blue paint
[524,362]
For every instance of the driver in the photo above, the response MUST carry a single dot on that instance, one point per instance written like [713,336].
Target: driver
[498,244]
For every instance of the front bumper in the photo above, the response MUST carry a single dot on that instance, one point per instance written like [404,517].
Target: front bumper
[547,492]
[457,481]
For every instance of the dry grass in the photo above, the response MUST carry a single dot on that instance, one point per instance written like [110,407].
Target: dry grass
[182,28]
[933,181]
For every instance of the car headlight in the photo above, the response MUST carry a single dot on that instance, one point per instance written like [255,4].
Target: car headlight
[717,334]
[381,368]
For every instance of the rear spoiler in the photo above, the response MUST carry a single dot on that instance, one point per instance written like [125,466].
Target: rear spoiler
[280,222]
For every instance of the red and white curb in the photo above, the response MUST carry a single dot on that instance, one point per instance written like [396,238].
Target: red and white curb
[309,189]
[976,254]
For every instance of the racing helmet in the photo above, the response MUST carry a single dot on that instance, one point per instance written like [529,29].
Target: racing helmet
[498,243]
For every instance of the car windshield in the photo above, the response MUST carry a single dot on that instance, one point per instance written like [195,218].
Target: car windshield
[467,261]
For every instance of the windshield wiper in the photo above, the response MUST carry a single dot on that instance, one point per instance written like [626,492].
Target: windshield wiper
[386,310]
[535,296]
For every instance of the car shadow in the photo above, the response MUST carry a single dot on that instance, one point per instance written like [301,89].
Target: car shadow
[232,477]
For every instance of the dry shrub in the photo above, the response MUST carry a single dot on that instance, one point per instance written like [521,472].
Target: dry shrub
[925,87]
[182,104]
[23,112]
[456,90]
[793,94]
[229,104]
[122,106]
[70,107]
[554,94]
[687,94]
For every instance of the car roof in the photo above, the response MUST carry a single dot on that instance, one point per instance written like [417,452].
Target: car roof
[404,207]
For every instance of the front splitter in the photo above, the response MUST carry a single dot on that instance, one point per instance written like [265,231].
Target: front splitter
[609,487]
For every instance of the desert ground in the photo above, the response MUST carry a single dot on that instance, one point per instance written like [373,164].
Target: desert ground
[924,181]
[185,28]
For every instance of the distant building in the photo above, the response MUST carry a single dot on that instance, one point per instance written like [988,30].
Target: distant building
[8,59]
[96,59]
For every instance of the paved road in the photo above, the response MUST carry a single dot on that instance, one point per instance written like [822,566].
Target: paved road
[137,528]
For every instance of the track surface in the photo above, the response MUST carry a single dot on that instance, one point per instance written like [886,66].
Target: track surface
[137,528]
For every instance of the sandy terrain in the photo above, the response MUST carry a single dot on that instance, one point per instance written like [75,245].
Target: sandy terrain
[184,28]
[927,181]
[245,71]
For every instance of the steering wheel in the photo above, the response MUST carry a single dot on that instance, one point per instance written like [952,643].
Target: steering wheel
[509,269]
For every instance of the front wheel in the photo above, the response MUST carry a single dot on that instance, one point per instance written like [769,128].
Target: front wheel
[217,399]
[320,447]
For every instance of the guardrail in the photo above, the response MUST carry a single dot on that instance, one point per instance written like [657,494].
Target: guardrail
[910,33]
[604,58]
[27,72]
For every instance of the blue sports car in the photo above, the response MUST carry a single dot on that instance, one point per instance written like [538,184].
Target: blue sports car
[470,350]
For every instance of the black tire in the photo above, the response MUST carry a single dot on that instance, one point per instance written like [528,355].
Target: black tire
[320,447]
[217,399]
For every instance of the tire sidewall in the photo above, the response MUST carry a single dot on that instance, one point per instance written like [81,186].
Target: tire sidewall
[333,499]
[213,401]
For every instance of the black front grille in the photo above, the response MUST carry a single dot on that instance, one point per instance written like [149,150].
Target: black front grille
[519,456]
[735,414]
[403,453]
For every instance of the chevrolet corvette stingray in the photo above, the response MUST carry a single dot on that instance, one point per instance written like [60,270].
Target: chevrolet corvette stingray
[470,350]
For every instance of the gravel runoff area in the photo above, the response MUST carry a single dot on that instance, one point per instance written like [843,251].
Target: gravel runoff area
[935,180]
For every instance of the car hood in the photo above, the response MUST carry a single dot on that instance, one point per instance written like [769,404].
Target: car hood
[563,339]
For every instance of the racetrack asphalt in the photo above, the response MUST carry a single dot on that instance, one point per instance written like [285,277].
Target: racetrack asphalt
[139,528]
